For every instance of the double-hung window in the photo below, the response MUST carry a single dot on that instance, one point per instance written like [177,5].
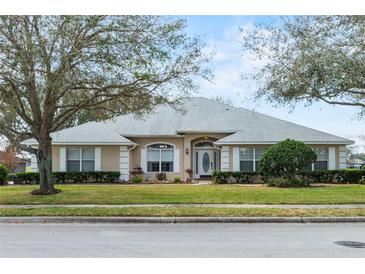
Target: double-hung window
[322,158]
[160,158]
[259,152]
[250,158]
[246,159]
[80,159]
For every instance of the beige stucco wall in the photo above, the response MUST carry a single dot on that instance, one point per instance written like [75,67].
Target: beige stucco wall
[109,157]
[110,153]
[259,146]
[183,143]
[135,154]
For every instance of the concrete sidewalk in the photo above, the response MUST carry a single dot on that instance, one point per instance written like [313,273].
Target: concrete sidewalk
[333,206]
[175,220]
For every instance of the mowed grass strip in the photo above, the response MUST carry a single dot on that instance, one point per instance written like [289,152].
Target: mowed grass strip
[181,212]
[178,194]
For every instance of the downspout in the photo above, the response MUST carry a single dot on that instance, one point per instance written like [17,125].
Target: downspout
[220,151]
[134,146]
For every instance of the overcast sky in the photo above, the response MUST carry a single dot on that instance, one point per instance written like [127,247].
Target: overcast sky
[222,35]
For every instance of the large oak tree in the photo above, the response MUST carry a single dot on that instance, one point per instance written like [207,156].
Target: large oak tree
[310,58]
[59,71]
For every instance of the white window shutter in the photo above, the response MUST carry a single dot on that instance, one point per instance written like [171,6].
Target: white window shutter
[176,160]
[225,158]
[342,157]
[34,163]
[97,159]
[62,159]
[331,158]
[143,160]
[236,159]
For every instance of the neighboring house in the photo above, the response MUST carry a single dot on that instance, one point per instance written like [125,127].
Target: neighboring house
[21,163]
[355,163]
[207,136]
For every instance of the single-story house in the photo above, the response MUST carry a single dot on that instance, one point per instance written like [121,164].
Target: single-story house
[355,163]
[21,163]
[208,135]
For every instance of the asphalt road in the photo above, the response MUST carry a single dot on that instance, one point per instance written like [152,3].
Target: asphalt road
[180,240]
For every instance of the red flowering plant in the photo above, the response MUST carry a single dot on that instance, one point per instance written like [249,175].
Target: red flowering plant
[190,174]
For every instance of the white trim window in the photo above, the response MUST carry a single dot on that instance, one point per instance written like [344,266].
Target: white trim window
[259,152]
[322,158]
[80,159]
[246,159]
[160,158]
[250,158]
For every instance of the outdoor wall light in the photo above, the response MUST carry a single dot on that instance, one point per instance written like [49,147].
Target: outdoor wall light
[187,151]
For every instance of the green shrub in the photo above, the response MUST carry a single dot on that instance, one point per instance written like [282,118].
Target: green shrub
[26,178]
[353,176]
[137,179]
[362,181]
[161,176]
[177,180]
[286,159]
[3,174]
[322,176]
[237,177]
[287,182]
[69,177]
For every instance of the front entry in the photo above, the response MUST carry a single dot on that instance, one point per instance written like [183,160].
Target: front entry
[206,163]
[205,159]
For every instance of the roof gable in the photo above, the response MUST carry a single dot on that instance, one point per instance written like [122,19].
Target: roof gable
[88,133]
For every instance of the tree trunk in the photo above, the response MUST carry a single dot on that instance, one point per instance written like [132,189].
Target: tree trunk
[44,157]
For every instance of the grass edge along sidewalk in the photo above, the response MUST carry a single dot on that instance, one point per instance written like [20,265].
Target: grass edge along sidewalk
[181,212]
[184,194]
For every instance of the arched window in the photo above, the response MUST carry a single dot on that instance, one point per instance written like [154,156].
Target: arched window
[160,158]
[204,144]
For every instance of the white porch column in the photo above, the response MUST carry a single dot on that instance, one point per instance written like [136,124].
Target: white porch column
[342,156]
[124,163]
[225,158]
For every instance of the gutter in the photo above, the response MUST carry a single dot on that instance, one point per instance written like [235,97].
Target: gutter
[275,142]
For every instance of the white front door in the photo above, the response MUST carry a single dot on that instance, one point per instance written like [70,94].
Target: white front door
[205,162]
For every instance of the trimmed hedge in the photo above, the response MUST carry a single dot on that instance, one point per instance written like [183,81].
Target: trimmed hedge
[68,177]
[351,176]
[235,177]
[323,176]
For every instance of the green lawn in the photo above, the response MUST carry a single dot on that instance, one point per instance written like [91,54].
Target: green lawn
[180,212]
[175,194]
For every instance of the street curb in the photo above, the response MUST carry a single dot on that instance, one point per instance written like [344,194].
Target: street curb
[173,220]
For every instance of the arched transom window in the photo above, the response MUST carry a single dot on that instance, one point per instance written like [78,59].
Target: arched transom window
[204,144]
[160,158]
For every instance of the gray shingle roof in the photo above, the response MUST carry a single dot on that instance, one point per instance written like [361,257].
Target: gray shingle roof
[165,120]
[89,133]
[255,127]
[200,115]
